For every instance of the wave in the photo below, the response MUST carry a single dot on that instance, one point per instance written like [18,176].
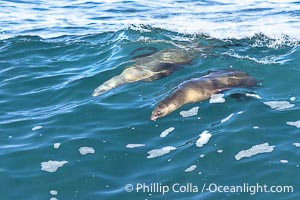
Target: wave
[220,19]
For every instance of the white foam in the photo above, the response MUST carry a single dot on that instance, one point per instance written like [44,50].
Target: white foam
[53,192]
[191,168]
[203,139]
[167,131]
[253,95]
[279,105]
[130,146]
[36,128]
[254,150]
[296,144]
[220,19]
[240,112]
[296,123]
[190,113]
[53,198]
[255,127]
[264,60]
[202,155]
[284,161]
[227,118]
[292,98]
[86,150]
[52,166]
[56,145]
[217,98]
[160,152]
[220,151]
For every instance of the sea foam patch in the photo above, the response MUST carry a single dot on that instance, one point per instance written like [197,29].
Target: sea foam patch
[191,168]
[203,139]
[160,152]
[279,105]
[227,118]
[220,151]
[36,128]
[52,165]
[86,150]
[253,95]
[284,161]
[217,98]
[167,131]
[190,113]
[131,146]
[53,192]
[296,144]
[296,123]
[56,145]
[292,98]
[254,150]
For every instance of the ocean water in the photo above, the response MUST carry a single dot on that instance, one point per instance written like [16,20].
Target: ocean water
[59,142]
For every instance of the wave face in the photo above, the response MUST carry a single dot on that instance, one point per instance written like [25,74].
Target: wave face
[219,19]
[57,141]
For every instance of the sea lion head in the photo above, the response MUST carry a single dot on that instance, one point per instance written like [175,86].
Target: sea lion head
[108,85]
[162,110]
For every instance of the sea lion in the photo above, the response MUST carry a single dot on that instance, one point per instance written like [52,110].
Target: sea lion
[149,68]
[200,89]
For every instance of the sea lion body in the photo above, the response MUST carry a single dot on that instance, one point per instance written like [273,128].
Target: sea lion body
[149,68]
[200,89]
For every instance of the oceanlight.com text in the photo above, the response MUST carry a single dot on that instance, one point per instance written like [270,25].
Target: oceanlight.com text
[251,189]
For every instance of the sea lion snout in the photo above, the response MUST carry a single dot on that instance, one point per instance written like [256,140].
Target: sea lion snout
[160,111]
[98,91]
[163,109]
[157,113]
[106,86]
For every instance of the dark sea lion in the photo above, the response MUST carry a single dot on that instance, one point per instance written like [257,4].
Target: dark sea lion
[200,89]
[148,68]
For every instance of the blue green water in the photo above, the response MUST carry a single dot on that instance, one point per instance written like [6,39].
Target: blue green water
[48,74]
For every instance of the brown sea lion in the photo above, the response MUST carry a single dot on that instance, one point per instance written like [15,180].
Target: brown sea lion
[199,89]
[149,68]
